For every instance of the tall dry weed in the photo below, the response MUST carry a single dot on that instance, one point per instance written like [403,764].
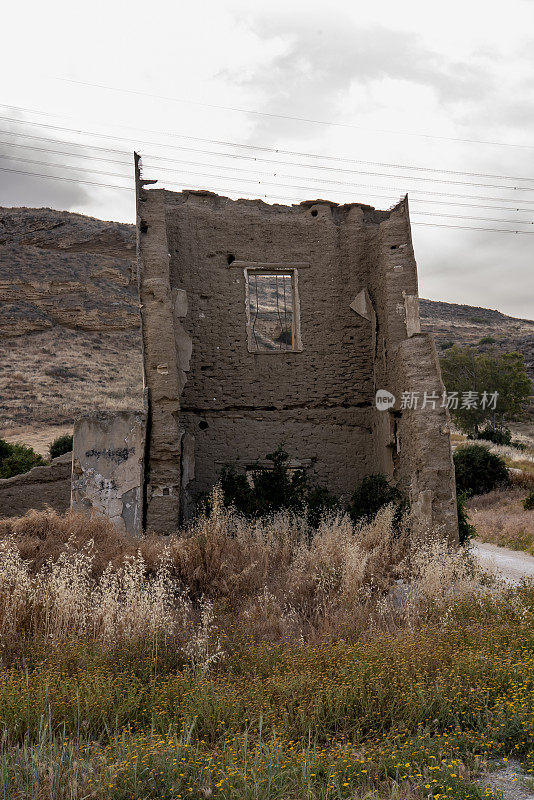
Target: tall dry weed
[272,578]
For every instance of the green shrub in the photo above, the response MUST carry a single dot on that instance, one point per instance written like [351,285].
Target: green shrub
[497,436]
[487,340]
[477,470]
[478,320]
[528,502]
[466,531]
[447,345]
[373,493]
[17,458]
[275,488]
[61,445]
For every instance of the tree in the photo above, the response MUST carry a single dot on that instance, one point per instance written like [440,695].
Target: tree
[477,470]
[465,370]
[60,445]
[17,458]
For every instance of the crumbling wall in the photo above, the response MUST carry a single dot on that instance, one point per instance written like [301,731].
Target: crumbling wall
[108,467]
[415,442]
[164,375]
[40,487]
[212,401]
[238,406]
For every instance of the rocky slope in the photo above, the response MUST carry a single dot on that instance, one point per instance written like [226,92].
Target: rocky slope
[69,321]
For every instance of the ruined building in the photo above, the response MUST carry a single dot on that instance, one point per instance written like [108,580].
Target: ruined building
[267,324]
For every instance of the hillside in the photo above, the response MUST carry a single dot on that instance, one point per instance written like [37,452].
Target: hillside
[69,321]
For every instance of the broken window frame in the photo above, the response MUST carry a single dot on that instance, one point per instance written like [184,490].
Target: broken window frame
[296,343]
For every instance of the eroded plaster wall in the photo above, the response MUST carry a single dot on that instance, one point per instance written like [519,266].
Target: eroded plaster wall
[237,405]
[213,402]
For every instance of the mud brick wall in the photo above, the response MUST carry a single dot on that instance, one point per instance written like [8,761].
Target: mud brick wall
[211,401]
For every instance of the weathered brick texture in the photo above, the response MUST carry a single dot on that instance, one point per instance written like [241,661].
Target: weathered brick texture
[212,402]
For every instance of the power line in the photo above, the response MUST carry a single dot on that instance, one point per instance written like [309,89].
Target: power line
[415,191]
[63,153]
[206,152]
[128,189]
[84,155]
[63,178]
[258,159]
[469,228]
[344,183]
[261,148]
[327,123]
[67,166]
[241,180]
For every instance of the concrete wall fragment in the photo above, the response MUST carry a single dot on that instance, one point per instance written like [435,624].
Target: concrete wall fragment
[107,467]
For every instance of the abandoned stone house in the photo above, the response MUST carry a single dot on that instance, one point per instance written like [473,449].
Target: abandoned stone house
[267,324]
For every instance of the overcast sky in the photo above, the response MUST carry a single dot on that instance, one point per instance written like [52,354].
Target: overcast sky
[404,84]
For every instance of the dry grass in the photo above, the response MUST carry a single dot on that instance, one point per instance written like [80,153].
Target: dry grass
[71,575]
[499,518]
[52,377]
[253,660]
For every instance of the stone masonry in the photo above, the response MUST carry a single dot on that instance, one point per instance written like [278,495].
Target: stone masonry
[216,397]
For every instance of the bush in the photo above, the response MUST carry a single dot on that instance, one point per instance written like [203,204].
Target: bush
[477,470]
[528,502]
[447,345]
[487,340]
[373,493]
[16,459]
[466,531]
[502,436]
[276,488]
[60,446]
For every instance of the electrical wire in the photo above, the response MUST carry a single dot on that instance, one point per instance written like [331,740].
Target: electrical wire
[261,148]
[241,180]
[328,123]
[415,191]
[129,189]
[217,153]
[164,158]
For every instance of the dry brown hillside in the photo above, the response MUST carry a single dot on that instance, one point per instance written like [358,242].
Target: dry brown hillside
[69,321]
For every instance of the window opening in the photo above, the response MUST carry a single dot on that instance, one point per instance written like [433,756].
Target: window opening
[271,298]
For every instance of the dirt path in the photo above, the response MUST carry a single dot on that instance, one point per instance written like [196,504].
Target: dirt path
[511,781]
[512,565]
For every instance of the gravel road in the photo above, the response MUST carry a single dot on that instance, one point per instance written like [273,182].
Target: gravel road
[512,565]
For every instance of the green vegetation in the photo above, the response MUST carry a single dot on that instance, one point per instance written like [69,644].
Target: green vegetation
[478,320]
[465,370]
[497,436]
[17,458]
[478,470]
[60,445]
[373,493]
[279,487]
[528,502]
[412,716]
[466,531]
[276,487]
[487,340]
